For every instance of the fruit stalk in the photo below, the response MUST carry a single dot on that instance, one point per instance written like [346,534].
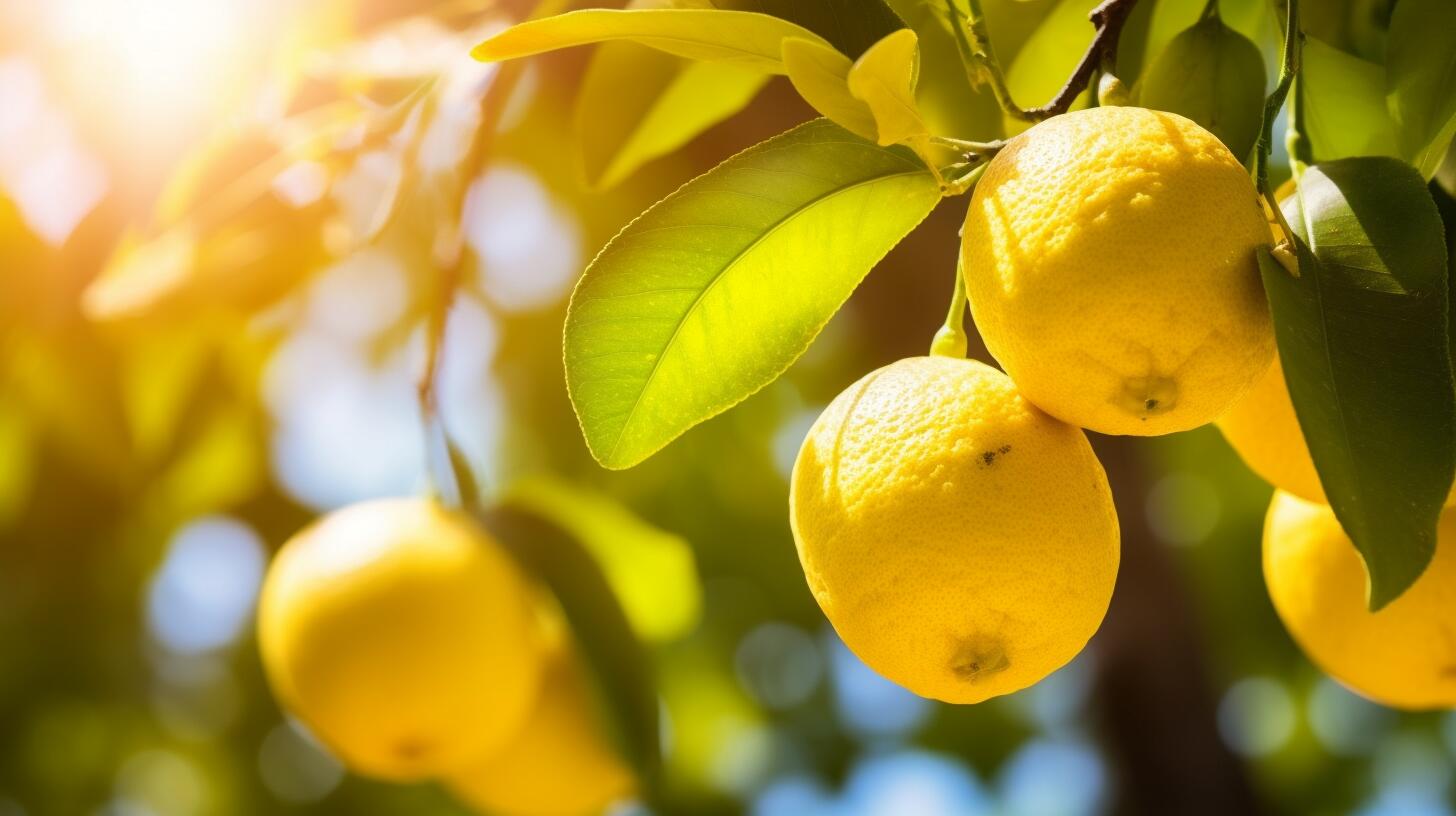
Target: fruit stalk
[1288,69]
[974,43]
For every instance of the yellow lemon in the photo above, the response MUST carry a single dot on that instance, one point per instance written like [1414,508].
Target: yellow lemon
[1264,430]
[402,635]
[561,763]
[1402,656]
[962,542]
[1110,260]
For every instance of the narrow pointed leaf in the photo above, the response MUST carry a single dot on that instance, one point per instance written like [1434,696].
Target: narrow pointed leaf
[716,290]
[741,37]
[1362,334]
[884,78]
[821,76]
[1214,76]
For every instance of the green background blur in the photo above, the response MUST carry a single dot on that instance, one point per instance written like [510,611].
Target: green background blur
[149,466]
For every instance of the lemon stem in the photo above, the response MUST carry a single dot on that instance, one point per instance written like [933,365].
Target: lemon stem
[951,341]
[1210,11]
[1288,69]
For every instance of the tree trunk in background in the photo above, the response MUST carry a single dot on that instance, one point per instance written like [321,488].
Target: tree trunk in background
[1155,706]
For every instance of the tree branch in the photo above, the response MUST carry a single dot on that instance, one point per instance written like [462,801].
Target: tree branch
[1109,18]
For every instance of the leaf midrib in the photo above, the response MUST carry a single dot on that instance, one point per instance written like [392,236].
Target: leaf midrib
[723,273]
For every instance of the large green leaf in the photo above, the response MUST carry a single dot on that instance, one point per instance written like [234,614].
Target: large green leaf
[1344,104]
[1049,57]
[637,103]
[601,632]
[1214,76]
[716,290]
[745,38]
[1421,80]
[1362,336]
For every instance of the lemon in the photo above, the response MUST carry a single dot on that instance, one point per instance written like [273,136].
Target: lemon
[962,542]
[1263,428]
[562,762]
[1402,656]
[1110,261]
[402,635]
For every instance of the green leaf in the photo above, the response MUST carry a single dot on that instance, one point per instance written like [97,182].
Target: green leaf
[713,292]
[1421,80]
[1214,76]
[636,104]
[884,79]
[743,38]
[1362,336]
[613,655]
[821,76]
[1344,104]
[651,571]
[1170,18]
[1049,57]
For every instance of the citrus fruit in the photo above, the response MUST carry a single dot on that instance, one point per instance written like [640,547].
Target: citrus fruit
[1402,656]
[1110,260]
[962,542]
[561,763]
[401,634]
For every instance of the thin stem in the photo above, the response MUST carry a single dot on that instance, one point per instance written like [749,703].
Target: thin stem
[973,41]
[970,148]
[1288,68]
[951,340]
[449,258]
[1210,10]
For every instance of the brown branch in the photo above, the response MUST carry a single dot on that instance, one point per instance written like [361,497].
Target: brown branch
[1109,18]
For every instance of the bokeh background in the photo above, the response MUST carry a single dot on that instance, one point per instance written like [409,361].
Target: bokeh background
[149,464]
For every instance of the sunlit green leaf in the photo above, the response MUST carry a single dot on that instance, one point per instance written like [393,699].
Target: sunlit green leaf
[636,104]
[1421,80]
[1362,336]
[1251,18]
[613,656]
[1214,76]
[740,37]
[884,78]
[650,570]
[821,76]
[948,102]
[851,26]
[1344,104]
[713,292]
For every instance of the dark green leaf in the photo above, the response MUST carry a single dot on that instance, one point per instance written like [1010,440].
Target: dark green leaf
[851,26]
[716,290]
[611,652]
[1214,76]
[1362,336]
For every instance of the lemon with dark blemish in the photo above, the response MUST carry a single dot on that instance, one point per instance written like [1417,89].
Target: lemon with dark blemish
[1403,655]
[402,635]
[1110,260]
[962,542]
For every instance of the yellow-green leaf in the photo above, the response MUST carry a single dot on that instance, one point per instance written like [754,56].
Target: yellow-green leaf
[884,78]
[1049,57]
[821,76]
[745,38]
[1344,104]
[651,571]
[1421,80]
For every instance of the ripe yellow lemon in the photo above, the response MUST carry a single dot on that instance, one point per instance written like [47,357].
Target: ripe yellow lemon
[561,763]
[1402,656]
[1263,428]
[1110,260]
[402,635]
[962,542]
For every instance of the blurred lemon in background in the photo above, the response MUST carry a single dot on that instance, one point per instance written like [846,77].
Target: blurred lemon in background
[963,543]
[1402,656]
[562,762]
[402,635]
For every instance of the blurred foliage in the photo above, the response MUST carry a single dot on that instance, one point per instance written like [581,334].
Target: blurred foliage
[118,435]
